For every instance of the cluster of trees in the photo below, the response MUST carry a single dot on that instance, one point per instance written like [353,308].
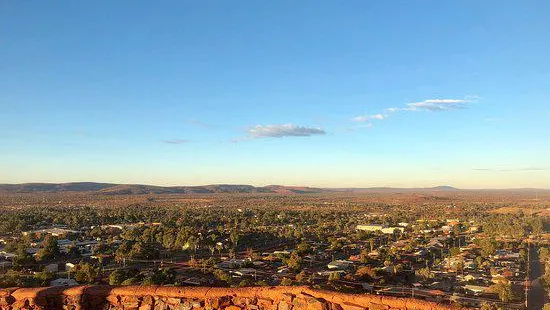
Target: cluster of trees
[160,276]
[229,225]
[512,225]
[14,278]
[544,256]
[504,291]
[48,251]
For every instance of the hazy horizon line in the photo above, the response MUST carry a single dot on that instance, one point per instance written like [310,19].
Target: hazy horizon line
[283,185]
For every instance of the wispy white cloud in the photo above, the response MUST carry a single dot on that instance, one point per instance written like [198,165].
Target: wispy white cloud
[175,141]
[366,118]
[426,105]
[283,130]
[438,104]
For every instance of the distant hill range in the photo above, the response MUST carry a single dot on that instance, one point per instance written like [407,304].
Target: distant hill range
[137,189]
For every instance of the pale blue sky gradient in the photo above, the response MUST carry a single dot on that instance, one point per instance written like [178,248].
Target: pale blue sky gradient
[200,92]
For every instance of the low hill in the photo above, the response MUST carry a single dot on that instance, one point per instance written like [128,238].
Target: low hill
[139,189]
[54,187]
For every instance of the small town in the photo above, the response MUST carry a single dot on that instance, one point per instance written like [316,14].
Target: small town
[467,262]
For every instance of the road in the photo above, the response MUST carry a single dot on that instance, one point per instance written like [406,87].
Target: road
[535,298]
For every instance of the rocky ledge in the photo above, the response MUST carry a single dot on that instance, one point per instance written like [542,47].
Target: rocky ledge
[201,298]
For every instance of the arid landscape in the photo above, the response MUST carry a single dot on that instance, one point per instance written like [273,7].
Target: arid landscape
[274,155]
[442,244]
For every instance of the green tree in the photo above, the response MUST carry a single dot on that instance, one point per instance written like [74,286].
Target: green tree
[544,253]
[302,277]
[43,278]
[234,236]
[22,257]
[117,277]
[488,306]
[488,247]
[334,276]
[85,273]
[130,281]
[222,276]
[294,262]
[246,283]
[425,273]
[49,249]
[303,248]
[286,282]
[504,291]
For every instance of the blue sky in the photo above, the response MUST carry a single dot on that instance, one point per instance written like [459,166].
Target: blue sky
[317,93]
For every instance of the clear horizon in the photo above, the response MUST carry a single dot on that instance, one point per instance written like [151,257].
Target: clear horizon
[319,94]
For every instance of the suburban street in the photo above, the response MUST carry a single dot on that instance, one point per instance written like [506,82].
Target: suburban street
[536,291]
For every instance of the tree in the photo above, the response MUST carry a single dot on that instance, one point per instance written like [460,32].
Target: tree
[544,253]
[398,268]
[11,278]
[303,248]
[371,244]
[479,262]
[286,282]
[212,249]
[117,277]
[454,251]
[43,278]
[222,276]
[234,236]
[425,273]
[49,249]
[130,281]
[22,257]
[219,247]
[191,244]
[294,262]
[365,273]
[302,277]
[246,282]
[488,306]
[334,276]
[85,273]
[364,256]
[504,291]
[537,226]
[488,247]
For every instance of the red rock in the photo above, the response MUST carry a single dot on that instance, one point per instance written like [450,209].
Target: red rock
[186,298]
[350,306]
[373,306]
[307,302]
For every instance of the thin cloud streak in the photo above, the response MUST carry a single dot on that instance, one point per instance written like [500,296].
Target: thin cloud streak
[175,141]
[432,105]
[438,105]
[366,118]
[199,123]
[283,130]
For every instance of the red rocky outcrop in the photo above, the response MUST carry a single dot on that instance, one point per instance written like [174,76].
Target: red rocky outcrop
[201,298]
